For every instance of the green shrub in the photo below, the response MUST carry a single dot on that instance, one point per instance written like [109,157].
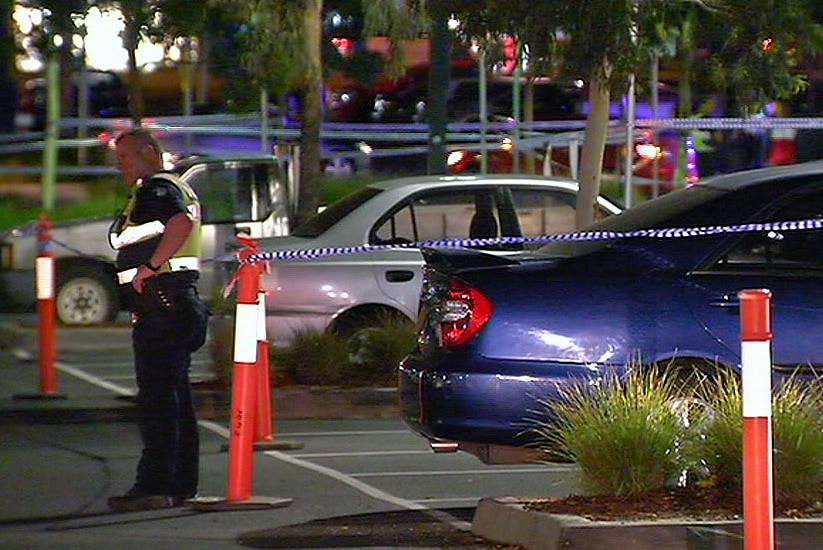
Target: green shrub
[374,353]
[312,358]
[632,435]
[720,446]
[798,440]
[797,427]
[103,199]
[367,358]
[623,433]
[334,188]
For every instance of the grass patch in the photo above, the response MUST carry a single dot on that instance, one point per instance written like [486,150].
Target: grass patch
[622,432]
[797,426]
[368,358]
[629,435]
[105,197]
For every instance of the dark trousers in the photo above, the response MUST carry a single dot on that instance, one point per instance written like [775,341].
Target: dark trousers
[169,462]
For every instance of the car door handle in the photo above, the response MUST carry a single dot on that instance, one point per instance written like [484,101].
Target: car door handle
[399,275]
[725,301]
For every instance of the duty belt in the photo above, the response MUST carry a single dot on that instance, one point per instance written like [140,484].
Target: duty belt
[184,263]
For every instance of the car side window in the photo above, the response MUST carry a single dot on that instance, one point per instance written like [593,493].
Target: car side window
[782,249]
[544,211]
[441,215]
[235,192]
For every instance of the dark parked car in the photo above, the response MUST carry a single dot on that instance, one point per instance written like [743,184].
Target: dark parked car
[107,97]
[497,333]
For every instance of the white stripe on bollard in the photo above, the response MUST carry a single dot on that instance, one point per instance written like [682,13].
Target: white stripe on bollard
[261,317]
[44,274]
[757,379]
[245,333]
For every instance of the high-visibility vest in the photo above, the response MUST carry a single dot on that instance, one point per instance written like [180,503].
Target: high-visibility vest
[125,232]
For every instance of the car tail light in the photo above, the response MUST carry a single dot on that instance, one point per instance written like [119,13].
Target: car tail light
[464,312]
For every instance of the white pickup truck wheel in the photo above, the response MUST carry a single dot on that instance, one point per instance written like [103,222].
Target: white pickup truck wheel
[86,298]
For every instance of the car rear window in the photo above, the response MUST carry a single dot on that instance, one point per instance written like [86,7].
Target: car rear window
[320,223]
[653,214]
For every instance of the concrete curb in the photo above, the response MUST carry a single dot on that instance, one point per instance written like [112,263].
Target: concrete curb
[505,520]
[318,403]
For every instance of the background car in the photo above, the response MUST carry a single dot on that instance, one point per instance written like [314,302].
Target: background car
[107,97]
[346,293]
[498,333]
[246,194]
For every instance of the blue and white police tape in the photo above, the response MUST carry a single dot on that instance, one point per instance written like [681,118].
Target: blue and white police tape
[666,233]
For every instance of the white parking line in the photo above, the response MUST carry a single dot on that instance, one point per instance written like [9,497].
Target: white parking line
[91,379]
[341,433]
[346,479]
[355,454]
[465,501]
[489,471]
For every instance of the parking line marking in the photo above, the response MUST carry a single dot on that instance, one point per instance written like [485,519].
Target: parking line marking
[91,379]
[341,433]
[362,453]
[464,472]
[364,488]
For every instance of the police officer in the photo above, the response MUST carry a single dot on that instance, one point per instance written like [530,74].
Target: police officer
[157,238]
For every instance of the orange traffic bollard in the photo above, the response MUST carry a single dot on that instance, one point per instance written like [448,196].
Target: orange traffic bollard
[264,423]
[756,363]
[245,389]
[47,313]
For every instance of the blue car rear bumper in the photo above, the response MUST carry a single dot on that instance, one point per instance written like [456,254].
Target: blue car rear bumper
[478,407]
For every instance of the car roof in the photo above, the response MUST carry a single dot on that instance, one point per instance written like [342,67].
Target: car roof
[186,162]
[473,180]
[738,180]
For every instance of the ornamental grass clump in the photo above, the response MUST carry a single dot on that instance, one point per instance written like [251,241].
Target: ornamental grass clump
[797,428]
[797,418]
[367,358]
[312,358]
[622,431]
[719,447]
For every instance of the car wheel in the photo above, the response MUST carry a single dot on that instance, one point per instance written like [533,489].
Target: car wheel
[364,318]
[86,297]
[375,340]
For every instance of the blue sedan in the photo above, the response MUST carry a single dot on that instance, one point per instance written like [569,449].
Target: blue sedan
[498,333]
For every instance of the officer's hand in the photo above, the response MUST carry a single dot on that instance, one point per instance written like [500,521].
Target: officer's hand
[143,273]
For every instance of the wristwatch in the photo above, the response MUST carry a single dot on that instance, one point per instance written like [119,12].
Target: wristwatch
[155,269]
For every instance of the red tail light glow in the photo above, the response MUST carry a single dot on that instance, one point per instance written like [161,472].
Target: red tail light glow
[465,312]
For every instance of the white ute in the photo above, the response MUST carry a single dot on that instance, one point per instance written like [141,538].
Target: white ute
[245,194]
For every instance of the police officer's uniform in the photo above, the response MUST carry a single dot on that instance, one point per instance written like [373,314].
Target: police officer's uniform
[169,323]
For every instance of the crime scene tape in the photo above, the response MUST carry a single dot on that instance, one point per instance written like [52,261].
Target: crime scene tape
[666,233]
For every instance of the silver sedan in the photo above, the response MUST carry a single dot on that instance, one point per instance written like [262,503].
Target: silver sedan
[349,292]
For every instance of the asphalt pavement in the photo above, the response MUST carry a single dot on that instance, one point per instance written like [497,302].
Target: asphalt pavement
[62,455]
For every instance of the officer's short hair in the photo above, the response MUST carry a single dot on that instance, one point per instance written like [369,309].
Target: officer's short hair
[142,135]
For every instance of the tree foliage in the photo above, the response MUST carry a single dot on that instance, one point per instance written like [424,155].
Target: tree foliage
[748,48]
[280,49]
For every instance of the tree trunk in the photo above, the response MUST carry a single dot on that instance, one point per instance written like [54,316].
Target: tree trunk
[591,158]
[130,38]
[528,118]
[311,117]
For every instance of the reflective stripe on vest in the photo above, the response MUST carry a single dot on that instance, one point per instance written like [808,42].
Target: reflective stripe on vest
[136,233]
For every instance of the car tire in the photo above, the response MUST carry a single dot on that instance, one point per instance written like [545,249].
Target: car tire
[86,297]
[352,322]
[361,330]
